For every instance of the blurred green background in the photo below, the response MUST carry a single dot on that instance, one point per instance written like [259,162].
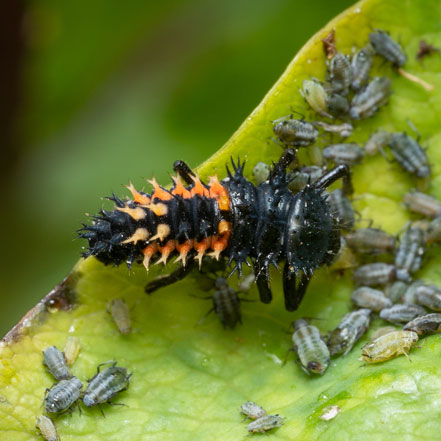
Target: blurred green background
[97,93]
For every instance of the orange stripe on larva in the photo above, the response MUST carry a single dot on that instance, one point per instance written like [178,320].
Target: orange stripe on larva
[148,252]
[199,188]
[138,197]
[159,192]
[201,247]
[179,189]
[165,251]
[183,249]
[218,192]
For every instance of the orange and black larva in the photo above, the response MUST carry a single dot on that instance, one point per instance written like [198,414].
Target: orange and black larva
[232,220]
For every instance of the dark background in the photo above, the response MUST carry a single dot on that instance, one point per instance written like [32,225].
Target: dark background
[97,93]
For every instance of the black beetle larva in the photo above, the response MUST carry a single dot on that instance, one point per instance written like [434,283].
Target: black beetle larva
[372,274]
[62,396]
[349,153]
[106,384]
[369,298]
[311,349]
[352,326]
[55,361]
[400,314]
[369,99]
[252,410]
[425,324]
[387,48]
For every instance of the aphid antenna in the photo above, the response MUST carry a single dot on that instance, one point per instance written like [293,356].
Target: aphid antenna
[283,118]
[287,355]
[201,297]
[112,362]
[295,112]
[204,317]
[412,127]
[277,142]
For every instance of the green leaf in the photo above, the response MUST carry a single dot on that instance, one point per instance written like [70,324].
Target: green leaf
[189,380]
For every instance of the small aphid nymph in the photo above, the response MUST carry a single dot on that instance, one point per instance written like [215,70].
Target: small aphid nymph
[373,299]
[340,74]
[373,274]
[120,313]
[422,203]
[389,346]
[400,314]
[343,130]
[295,132]
[433,232]
[427,295]
[376,141]
[304,176]
[252,410]
[337,105]
[353,325]
[349,154]
[226,304]
[371,241]
[341,209]
[261,172]
[369,99]
[382,331]
[387,48]
[425,324]
[361,68]
[409,255]
[396,291]
[61,397]
[55,361]
[47,428]
[106,384]
[265,423]
[71,350]
[312,350]
[316,96]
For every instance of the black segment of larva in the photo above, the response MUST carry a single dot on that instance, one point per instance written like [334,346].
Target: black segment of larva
[239,221]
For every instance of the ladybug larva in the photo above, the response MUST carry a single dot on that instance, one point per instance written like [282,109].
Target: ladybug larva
[232,219]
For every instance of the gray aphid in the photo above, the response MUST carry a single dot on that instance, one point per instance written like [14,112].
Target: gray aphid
[387,48]
[337,105]
[371,240]
[376,141]
[369,99]
[409,154]
[433,232]
[361,67]
[428,296]
[425,324]
[369,298]
[55,361]
[343,130]
[265,423]
[63,395]
[106,384]
[349,153]
[409,255]
[340,74]
[396,291]
[252,410]
[341,209]
[226,304]
[353,325]
[373,274]
[422,203]
[400,314]
[304,176]
[295,132]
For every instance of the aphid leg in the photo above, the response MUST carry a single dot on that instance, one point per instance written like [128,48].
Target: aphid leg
[184,171]
[205,316]
[112,362]
[277,142]
[404,352]
[283,118]
[175,276]
[287,355]
[262,282]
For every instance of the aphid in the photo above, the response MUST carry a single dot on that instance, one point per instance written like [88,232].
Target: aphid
[353,325]
[304,176]
[345,258]
[349,154]
[361,68]
[261,172]
[63,395]
[425,49]
[329,413]
[409,296]
[252,410]
[106,384]
[234,218]
[399,314]
[337,105]
[265,423]
[47,428]
[396,291]
[409,255]
[343,130]
[246,283]
[371,240]
[428,296]
[226,304]
[55,361]
[389,346]
[433,232]
[316,96]
[71,350]
[373,299]
[382,331]
[341,209]
[376,141]
[387,48]
[340,74]
[425,324]
[312,350]
[373,274]
[295,132]
[409,154]
[422,203]
[369,99]
[121,316]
